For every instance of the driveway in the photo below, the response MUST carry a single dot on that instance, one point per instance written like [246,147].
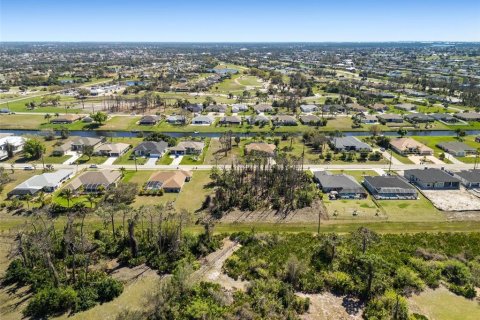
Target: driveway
[74,156]
[452,158]
[176,160]
[151,162]
[110,161]
[387,156]
[430,159]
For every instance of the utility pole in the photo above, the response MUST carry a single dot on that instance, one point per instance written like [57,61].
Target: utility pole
[476,160]
[135,159]
[390,164]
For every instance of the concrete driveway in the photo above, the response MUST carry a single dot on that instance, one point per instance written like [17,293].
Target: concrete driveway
[452,158]
[176,160]
[430,159]
[74,156]
[151,162]
[110,161]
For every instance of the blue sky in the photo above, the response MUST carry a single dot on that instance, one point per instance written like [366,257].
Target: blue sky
[240,20]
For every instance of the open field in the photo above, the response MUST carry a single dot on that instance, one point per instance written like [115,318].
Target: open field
[441,304]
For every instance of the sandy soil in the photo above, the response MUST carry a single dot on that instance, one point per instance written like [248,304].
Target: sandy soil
[309,214]
[453,200]
[211,269]
[327,306]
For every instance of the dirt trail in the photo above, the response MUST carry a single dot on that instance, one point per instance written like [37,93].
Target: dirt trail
[211,269]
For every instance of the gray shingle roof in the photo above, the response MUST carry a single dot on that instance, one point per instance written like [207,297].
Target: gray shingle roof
[389,184]
[430,175]
[342,182]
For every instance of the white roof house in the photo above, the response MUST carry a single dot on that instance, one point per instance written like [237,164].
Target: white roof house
[47,182]
[16,141]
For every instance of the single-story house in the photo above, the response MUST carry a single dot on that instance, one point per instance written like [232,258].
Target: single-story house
[379,107]
[216,108]
[284,120]
[112,149]
[355,107]
[309,119]
[263,108]
[258,120]
[168,181]
[367,119]
[333,108]
[176,119]
[444,117]
[87,119]
[65,119]
[151,149]
[95,181]
[308,108]
[419,118]
[406,146]
[469,178]
[468,116]
[457,148]
[339,186]
[260,148]
[149,120]
[79,143]
[195,107]
[431,178]
[348,143]
[187,147]
[239,108]
[390,118]
[202,120]
[390,188]
[405,106]
[234,120]
[62,149]
[16,143]
[46,182]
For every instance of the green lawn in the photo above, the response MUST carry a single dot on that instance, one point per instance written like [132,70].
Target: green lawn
[190,198]
[441,304]
[432,141]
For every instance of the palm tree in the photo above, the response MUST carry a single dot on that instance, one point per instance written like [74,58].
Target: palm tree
[41,198]
[27,199]
[91,198]
[67,194]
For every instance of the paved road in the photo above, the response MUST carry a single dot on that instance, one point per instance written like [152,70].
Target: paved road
[453,166]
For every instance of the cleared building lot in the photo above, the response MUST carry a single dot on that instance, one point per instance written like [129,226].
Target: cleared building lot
[453,200]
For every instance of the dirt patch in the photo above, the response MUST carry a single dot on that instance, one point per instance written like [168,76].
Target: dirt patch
[327,306]
[211,269]
[308,214]
[453,200]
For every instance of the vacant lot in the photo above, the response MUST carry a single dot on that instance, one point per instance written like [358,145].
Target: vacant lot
[441,304]
[453,200]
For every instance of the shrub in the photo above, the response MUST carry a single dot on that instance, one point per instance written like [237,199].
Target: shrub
[339,282]
[17,273]
[467,291]
[456,272]
[86,299]
[51,301]
[388,306]
[108,289]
